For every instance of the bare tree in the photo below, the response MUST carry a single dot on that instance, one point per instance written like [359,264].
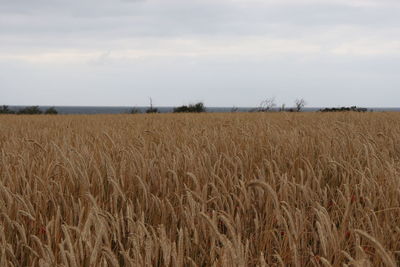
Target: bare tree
[267,104]
[151,109]
[234,109]
[300,103]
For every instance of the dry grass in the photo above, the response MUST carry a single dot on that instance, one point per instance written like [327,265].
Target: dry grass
[200,190]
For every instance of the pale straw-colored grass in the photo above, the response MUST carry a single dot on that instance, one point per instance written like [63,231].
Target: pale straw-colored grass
[255,189]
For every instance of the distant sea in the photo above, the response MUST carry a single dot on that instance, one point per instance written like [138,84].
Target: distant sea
[124,110]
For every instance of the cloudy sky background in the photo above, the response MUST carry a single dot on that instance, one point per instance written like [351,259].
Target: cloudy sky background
[222,52]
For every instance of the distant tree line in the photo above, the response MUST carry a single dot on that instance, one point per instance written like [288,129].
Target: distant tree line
[6,110]
[192,108]
[269,105]
[198,107]
[342,109]
[32,110]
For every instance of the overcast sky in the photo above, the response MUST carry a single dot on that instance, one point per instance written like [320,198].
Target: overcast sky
[222,52]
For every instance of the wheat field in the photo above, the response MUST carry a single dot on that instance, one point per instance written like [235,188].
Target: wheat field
[245,189]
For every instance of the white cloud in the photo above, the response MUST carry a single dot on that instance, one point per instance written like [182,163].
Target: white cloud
[250,47]
[368,48]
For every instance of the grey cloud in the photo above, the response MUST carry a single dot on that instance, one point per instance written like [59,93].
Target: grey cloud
[177,19]
[184,72]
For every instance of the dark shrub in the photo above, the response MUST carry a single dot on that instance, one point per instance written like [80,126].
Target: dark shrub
[135,111]
[152,110]
[6,110]
[181,109]
[51,111]
[30,110]
[199,107]
[342,109]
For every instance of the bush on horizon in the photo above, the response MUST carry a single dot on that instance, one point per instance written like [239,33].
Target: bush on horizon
[352,108]
[193,108]
[6,110]
[135,110]
[152,110]
[51,111]
[30,110]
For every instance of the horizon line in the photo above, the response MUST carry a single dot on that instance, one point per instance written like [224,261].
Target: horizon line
[140,106]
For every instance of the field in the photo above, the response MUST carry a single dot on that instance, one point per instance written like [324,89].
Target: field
[246,189]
